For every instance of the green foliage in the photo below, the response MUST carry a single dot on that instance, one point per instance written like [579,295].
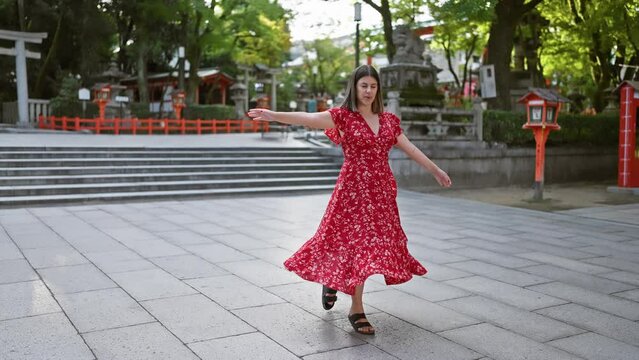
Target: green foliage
[141,111]
[208,112]
[576,130]
[67,103]
[333,66]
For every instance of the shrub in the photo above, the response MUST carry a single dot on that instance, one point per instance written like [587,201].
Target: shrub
[218,112]
[578,130]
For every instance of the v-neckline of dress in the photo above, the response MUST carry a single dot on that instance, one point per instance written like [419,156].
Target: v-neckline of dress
[379,128]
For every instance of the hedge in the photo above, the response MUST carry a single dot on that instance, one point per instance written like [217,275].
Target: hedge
[580,130]
[73,108]
[218,112]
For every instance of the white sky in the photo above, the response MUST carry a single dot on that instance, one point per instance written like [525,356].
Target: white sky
[313,19]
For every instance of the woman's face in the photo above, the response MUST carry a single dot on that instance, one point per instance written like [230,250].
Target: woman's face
[366,90]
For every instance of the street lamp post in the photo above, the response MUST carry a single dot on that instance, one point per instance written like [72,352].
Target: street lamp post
[358,18]
[315,80]
[181,68]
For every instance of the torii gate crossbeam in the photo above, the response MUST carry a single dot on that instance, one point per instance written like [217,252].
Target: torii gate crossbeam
[21,54]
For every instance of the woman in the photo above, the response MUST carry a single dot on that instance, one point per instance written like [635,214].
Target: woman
[360,233]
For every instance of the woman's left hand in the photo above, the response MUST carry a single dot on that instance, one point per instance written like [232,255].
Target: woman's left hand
[442,178]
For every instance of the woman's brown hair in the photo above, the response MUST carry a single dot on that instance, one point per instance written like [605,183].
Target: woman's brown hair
[350,101]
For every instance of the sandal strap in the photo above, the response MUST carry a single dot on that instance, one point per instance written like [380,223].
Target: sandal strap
[330,296]
[328,290]
[359,325]
[354,317]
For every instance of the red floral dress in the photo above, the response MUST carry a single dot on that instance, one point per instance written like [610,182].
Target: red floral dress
[360,233]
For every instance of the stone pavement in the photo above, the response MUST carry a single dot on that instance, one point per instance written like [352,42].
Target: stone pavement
[203,279]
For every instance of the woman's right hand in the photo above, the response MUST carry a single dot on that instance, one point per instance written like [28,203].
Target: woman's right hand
[261,114]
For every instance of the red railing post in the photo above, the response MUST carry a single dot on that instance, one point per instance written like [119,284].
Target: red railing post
[134,125]
[76,123]
[117,126]
[183,125]
[198,125]
[98,125]
[64,123]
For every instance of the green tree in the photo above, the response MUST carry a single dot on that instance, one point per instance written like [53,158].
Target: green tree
[462,27]
[588,42]
[332,64]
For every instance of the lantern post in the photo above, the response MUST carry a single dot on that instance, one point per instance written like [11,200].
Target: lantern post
[542,109]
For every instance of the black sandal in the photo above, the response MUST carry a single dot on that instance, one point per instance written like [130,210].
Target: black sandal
[328,296]
[359,325]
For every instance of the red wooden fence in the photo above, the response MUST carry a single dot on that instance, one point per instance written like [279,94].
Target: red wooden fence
[119,126]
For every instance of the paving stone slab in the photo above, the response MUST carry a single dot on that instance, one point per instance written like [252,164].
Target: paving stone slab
[260,273]
[275,255]
[188,267]
[352,353]
[184,237]
[25,299]
[76,278]
[196,318]
[596,321]
[119,261]
[509,276]
[486,235]
[50,337]
[506,293]
[630,295]
[296,330]
[529,324]
[207,229]
[501,344]
[606,251]
[622,276]
[430,316]
[16,271]
[607,303]
[233,292]
[151,284]
[504,248]
[8,251]
[543,247]
[253,346]
[438,272]
[242,242]
[614,263]
[430,290]
[102,309]
[139,342]
[406,341]
[54,256]
[491,257]
[307,295]
[562,262]
[434,255]
[44,239]
[217,253]
[585,281]
[155,248]
[592,346]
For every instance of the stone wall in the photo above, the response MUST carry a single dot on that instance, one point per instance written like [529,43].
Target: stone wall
[481,167]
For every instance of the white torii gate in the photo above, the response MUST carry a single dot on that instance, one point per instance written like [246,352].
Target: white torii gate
[21,55]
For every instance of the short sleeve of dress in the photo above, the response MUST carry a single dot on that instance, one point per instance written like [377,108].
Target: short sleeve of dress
[397,129]
[338,119]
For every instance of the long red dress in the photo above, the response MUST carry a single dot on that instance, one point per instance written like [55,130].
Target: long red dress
[360,233]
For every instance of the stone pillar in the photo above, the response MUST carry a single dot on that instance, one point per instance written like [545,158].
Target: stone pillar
[478,118]
[21,77]
[393,103]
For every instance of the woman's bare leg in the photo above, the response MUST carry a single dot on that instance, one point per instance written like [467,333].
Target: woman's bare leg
[357,306]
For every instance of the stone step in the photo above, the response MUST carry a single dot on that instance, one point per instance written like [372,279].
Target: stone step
[157,195]
[164,176]
[156,186]
[132,169]
[55,154]
[12,163]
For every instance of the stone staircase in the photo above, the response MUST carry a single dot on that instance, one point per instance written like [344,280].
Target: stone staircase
[50,175]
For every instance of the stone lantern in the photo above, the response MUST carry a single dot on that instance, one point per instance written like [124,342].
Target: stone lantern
[239,96]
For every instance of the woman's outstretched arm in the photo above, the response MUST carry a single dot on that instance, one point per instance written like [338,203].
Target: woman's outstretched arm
[414,153]
[318,120]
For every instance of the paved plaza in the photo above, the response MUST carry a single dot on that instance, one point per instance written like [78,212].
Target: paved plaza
[204,279]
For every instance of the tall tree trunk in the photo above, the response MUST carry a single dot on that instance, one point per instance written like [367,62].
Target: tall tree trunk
[384,10]
[38,91]
[143,83]
[500,45]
